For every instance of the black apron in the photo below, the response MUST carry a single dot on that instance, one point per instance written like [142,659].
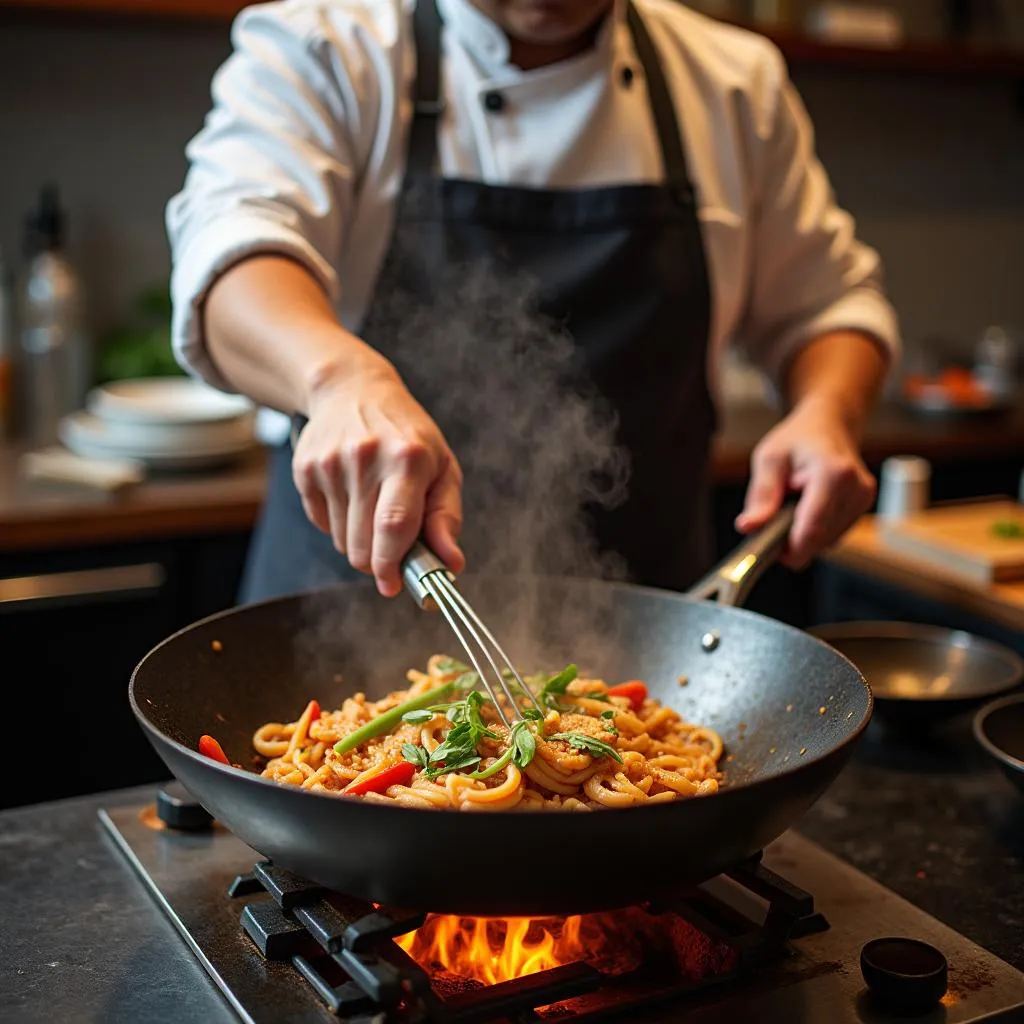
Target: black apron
[591,310]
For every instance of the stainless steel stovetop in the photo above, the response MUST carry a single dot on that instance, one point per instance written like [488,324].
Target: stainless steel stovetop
[818,983]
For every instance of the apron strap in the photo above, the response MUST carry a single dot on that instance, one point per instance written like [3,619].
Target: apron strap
[429,105]
[666,119]
[428,102]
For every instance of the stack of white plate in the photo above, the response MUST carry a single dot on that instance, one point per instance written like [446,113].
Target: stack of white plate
[166,423]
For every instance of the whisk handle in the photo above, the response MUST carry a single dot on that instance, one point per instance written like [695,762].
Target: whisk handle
[419,563]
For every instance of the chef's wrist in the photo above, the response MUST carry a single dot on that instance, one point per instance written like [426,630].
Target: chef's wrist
[844,408]
[342,362]
[839,374]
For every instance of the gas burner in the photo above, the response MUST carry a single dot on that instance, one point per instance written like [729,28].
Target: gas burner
[745,946]
[345,949]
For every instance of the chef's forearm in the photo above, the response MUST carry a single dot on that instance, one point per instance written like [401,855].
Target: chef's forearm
[844,370]
[272,334]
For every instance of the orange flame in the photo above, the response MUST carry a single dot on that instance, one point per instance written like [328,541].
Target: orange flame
[491,950]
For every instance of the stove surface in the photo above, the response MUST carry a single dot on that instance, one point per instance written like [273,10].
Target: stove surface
[820,983]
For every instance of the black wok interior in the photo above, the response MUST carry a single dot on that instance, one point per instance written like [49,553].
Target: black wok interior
[787,706]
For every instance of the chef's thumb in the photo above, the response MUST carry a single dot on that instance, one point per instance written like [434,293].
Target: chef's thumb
[766,491]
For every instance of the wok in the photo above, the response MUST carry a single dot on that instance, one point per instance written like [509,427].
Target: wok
[789,709]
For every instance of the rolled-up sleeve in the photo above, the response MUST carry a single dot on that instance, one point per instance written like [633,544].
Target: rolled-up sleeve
[811,275]
[271,170]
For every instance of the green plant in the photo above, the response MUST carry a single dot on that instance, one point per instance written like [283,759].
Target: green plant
[142,346]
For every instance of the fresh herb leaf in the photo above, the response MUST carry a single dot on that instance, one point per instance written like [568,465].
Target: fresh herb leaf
[532,715]
[524,744]
[437,772]
[474,702]
[415,754]
[559,683]
[418,717]
[604,714]
[467,681]
[447,665]
[1009,529]
[587,744]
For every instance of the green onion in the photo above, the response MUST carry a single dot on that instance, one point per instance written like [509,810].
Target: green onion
[389,719]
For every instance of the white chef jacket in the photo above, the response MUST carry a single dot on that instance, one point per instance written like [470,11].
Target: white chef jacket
[303,154]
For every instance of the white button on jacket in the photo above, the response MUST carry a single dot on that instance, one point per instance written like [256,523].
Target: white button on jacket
[303,153]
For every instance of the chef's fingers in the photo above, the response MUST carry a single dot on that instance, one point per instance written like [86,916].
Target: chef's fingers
[314,504]
[769,481]
[359,461]
[442,520]
[810,522]
[835,496]
[330,481]
[396,525]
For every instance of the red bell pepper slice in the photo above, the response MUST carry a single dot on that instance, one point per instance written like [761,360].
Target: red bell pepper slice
[211,748]
[634,690]
[399,774]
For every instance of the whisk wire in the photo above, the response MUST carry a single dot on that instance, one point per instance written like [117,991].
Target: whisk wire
[432,586]
[467,609]
[452,614]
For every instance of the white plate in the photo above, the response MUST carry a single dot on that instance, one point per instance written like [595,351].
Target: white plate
[80,434]
[165,400]
[134,439]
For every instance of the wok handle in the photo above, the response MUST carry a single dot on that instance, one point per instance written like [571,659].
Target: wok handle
[733,579]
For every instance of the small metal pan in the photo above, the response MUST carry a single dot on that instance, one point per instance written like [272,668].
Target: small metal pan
[999,730]
[924,674]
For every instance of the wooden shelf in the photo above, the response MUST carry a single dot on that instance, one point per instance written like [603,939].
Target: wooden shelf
[190,10]
[920,58]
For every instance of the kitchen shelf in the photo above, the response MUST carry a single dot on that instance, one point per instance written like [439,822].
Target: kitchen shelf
[189,10]
[919,58]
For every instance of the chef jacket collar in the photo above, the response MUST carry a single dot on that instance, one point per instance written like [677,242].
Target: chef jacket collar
[488,45]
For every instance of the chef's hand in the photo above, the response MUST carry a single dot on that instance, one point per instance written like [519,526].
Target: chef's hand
[814,452]
[374,472]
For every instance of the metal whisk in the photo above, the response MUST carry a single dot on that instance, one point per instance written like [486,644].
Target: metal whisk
[433,588]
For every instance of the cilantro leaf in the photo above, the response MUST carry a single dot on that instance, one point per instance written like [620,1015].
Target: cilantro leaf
[418,717]
[588,744]
[415,754]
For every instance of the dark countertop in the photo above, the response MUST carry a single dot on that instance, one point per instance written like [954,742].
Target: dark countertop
[81,938]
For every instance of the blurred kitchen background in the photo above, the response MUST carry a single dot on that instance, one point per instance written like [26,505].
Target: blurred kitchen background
[919,112]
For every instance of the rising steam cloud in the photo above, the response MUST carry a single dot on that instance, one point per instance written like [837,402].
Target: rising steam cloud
[537,448]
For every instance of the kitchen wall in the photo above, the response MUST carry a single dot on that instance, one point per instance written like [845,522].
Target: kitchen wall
[932,167]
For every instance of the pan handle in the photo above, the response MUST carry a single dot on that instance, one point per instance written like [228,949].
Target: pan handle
[733,579]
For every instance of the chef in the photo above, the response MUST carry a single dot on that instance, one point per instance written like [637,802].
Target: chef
[651,168]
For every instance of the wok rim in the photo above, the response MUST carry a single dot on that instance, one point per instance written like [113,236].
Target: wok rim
[963,639]
[246,776]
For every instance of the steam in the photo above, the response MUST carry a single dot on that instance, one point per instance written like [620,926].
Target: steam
[537,446]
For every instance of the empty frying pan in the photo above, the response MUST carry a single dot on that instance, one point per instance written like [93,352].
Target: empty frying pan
[924,674]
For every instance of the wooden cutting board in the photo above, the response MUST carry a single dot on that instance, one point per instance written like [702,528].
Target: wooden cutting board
[963,540]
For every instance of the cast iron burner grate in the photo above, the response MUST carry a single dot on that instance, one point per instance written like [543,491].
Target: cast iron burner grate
[343,948]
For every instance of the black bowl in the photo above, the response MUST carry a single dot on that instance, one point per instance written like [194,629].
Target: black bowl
[904,973]
[921,675]
[999,728]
